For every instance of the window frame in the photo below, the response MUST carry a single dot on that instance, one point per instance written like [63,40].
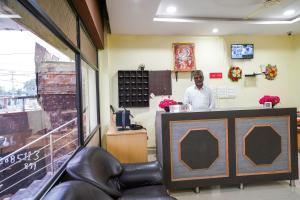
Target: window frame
[80,25]
[95,128]
[33,7]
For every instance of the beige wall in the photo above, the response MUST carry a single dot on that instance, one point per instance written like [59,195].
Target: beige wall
[105,93]
[296,46]
[95,140]
[212,55]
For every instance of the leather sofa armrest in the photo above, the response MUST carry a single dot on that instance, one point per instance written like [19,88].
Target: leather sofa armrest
[154,165]
[140,174]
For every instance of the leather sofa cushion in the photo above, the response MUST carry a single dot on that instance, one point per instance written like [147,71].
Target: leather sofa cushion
[76,190]
[157,192]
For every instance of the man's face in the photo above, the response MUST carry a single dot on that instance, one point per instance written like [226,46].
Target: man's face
[198,80]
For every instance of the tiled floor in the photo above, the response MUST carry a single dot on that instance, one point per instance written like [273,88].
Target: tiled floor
[275,190]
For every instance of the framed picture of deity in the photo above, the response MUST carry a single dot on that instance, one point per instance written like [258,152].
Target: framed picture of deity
[184,57]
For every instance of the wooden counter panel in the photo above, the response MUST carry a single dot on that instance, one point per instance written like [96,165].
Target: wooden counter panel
[246,163]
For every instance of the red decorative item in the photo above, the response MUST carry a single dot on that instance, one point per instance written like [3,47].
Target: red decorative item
[235,73]
[167,102]
[273,99]
[215,75]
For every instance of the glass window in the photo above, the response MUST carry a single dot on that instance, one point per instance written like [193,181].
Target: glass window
[89,99]
[38,115]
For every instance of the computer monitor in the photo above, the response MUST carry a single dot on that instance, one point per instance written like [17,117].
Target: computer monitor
[122,119]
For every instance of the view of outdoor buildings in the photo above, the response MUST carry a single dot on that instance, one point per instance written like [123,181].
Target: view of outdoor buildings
[38,115]
[18,86]
[21,99]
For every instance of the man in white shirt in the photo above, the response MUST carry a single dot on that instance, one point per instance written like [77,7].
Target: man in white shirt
[199,96]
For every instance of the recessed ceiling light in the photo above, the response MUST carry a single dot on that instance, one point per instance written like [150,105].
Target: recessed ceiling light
[171,9]
[215,30]
[289,12]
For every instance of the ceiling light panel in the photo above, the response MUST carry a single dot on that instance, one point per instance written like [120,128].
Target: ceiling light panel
[215,30]
[171,9]
[289,12]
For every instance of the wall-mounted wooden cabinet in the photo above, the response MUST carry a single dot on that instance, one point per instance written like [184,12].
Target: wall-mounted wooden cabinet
[133,88]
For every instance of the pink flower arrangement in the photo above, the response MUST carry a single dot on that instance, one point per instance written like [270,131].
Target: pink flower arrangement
[167,102]
[273,99]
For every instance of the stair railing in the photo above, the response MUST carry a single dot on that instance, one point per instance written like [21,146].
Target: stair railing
[52,151]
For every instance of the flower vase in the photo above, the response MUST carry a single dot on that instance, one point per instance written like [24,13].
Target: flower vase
[167,109]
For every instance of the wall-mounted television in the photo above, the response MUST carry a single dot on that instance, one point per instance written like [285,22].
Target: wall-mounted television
[242,51]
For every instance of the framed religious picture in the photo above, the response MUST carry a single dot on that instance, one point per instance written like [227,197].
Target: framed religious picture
[184,57]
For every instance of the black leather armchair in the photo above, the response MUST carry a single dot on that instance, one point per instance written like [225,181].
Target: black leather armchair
[76,190]
[121,181]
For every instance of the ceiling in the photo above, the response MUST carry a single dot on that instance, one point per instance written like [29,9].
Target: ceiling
[6,19]
[200,17]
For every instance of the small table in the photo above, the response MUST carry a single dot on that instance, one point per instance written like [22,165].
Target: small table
[128,146]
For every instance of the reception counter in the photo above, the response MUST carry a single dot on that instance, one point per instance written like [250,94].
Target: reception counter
[217,147]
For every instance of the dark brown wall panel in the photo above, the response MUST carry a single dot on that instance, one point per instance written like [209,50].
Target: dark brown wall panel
[160,82]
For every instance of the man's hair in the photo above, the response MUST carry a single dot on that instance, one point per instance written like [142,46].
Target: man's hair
[198,72]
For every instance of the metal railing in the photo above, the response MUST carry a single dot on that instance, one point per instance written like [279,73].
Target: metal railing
[23,161]
[18,103]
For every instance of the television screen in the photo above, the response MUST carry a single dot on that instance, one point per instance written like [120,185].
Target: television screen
[242,51]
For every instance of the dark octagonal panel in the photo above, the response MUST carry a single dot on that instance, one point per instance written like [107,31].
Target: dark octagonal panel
[262,145]
[199,149]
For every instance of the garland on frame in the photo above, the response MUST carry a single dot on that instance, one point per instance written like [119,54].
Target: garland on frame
[235,73]
[271,72]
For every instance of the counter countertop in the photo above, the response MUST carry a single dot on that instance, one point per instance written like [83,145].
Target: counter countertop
[231,109]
